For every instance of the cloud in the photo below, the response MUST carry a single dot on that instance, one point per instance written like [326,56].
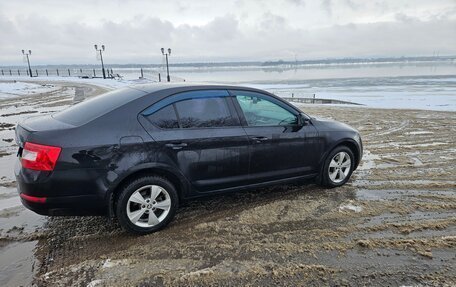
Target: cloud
[276,30]
[297,2]
[327,6]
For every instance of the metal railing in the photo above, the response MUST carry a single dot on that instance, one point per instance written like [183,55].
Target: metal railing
[131,73]
[318,101]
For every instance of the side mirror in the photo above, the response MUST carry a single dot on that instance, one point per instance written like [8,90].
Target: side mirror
[303,120]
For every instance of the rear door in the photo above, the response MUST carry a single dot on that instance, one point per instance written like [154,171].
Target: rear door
[200,133]
[279,147]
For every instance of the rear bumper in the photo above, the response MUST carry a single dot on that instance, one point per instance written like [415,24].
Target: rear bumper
[68,205]
[71,192]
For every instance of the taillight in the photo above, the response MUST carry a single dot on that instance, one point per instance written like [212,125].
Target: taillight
[39,157]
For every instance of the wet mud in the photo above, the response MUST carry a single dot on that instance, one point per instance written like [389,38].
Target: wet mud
[21,229]
[393,224]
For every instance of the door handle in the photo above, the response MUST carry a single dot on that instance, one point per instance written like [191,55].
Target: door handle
[176,145]
[259,139]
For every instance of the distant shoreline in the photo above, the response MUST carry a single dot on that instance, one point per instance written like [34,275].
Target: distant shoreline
[269,63]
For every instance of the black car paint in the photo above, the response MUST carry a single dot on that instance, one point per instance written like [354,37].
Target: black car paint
[101,154]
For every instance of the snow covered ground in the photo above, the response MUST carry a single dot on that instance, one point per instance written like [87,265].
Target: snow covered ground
[105,83]
[14,89]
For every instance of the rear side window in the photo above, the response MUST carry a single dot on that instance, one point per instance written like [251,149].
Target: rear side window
[204,112]
[193,109]
[88,110]
[165,118]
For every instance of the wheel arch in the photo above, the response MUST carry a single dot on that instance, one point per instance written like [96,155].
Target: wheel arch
[348,142]
[174,177]
[353,146]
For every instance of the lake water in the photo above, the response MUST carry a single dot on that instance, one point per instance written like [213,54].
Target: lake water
[410,85]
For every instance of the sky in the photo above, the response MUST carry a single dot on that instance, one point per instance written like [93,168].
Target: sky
[133,31]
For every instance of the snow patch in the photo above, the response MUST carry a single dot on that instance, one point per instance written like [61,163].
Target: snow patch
[95,283]
[420,133]
[14,89]
[112,263]
[350,206]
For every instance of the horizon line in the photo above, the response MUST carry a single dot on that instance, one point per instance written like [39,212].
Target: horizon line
[340,60]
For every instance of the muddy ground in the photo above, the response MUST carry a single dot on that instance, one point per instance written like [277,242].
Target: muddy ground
[393,224]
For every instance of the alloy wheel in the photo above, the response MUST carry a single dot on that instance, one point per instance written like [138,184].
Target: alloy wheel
[339,167]
[148,206]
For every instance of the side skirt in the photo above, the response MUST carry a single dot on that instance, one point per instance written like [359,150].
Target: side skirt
[252,186]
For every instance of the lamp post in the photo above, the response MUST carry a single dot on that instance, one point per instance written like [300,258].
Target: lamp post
[28,60]
[101,58]
[167,65]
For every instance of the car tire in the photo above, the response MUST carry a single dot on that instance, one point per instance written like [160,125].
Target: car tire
[146,204]
[338,167]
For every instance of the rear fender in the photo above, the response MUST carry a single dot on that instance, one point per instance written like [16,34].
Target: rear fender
[184,186]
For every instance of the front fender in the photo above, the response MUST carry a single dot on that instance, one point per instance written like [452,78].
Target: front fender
[347,141]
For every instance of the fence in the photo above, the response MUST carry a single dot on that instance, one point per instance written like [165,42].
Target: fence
[317,101]
[129,73]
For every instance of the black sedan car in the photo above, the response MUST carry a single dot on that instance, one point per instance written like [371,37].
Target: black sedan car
[135,153]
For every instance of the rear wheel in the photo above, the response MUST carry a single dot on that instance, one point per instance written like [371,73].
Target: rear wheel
[146,204]
[338,167]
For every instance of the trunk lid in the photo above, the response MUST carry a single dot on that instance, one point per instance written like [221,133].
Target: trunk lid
[30,128]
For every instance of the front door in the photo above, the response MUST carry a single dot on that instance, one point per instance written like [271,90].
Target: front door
[279,147]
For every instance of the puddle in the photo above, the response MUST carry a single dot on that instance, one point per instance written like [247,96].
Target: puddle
[388,194]
[403,218]
[17,264]
[377,194]
[7,192]
[14,216]
[417,161]
[386,165]
[22,219]
[418,182]
[7,166]
[17,259]
[383,267]
[10,202]
[368,161]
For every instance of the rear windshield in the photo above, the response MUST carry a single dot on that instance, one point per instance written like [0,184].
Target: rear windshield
[88,110]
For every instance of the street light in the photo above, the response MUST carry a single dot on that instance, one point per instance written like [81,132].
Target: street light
[167,65]
[101,57]
[28,60]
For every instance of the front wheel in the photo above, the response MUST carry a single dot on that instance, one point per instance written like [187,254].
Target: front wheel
[338,167]
[146,204]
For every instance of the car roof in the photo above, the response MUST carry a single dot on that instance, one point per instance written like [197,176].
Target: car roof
[155,87]
[163,90]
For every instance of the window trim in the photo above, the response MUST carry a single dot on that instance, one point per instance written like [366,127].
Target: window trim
[190,95]
[181,96]
[234,93]
[160,128]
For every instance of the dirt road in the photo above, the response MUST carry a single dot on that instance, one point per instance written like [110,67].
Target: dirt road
[393,224]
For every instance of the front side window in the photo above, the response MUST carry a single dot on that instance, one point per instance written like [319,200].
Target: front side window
[204,112]
[262,112]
